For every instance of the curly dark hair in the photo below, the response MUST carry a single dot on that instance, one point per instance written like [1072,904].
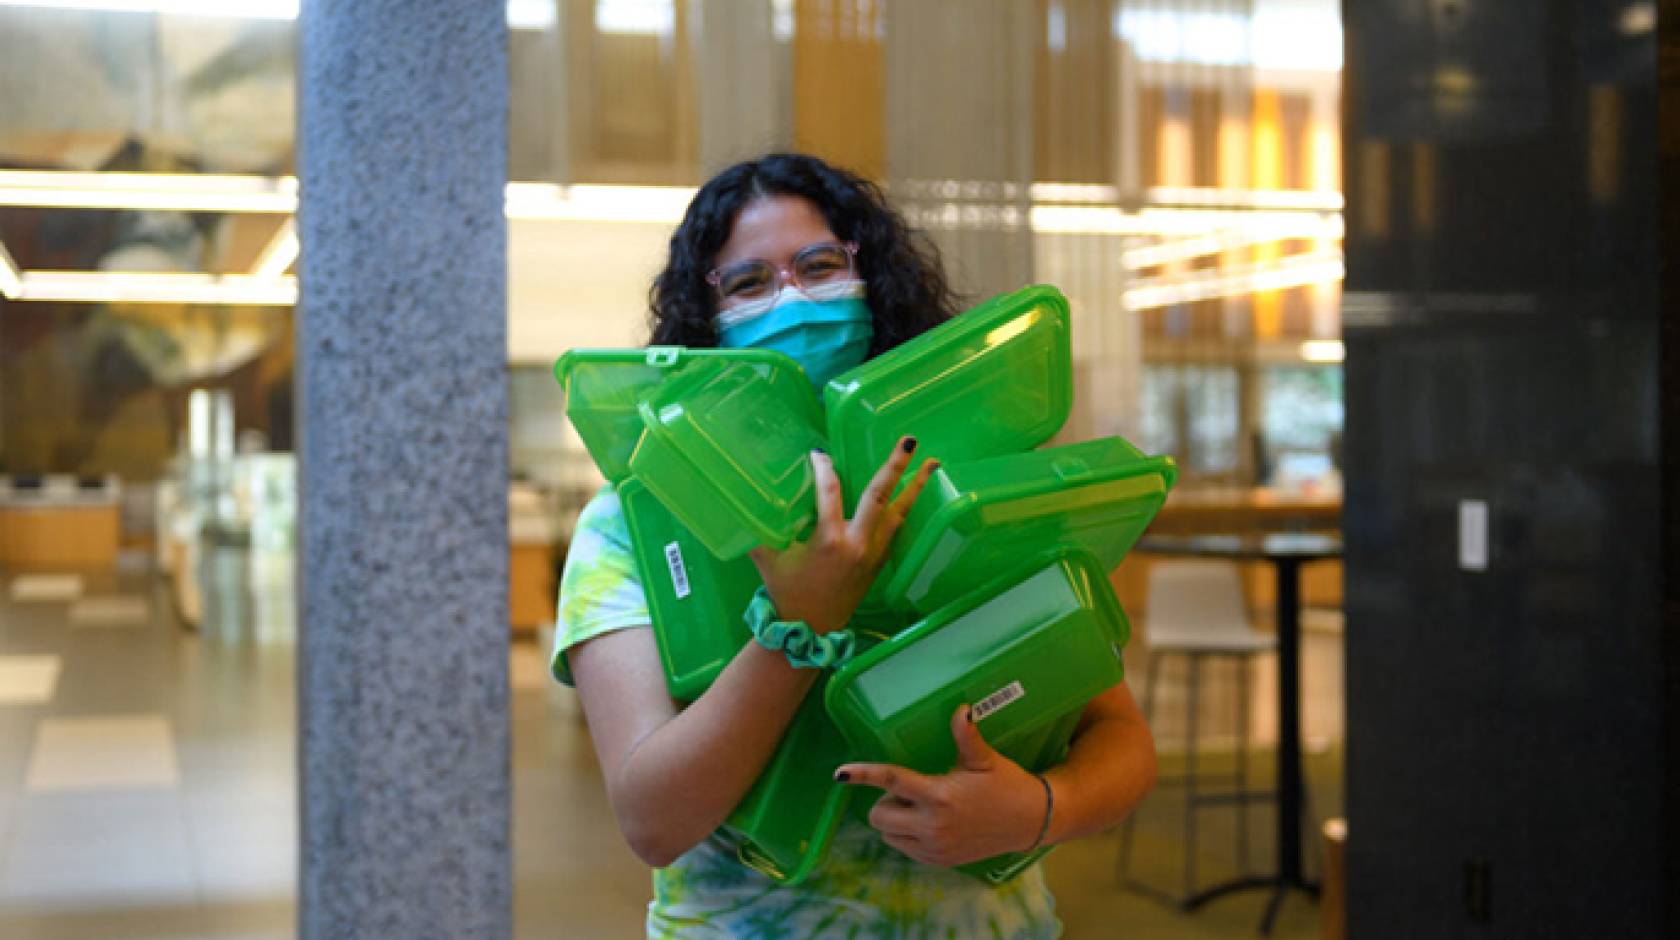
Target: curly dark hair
[905,283]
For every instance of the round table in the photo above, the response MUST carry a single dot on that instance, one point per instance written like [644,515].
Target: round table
[1286,552]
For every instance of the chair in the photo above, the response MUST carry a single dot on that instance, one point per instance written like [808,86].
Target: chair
[1196,610]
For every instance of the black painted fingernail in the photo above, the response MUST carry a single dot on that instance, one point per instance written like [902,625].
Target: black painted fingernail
[968,713]
[909,444]
[842,776]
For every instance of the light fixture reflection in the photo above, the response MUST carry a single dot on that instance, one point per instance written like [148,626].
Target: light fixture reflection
[279,253]
[1294,271]
[1189,221]
[11,279]
[1010,330]
[1637,19]
[1211,196]
[1323,350]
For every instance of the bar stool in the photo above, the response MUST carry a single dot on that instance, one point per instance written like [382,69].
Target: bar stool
[1196,610]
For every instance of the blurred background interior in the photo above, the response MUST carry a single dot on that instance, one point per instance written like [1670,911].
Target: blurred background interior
[1174,166]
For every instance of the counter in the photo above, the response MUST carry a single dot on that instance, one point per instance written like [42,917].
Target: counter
[59,522]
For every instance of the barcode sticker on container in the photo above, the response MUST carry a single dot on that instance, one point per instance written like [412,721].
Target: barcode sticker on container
[996,702]
[679,572]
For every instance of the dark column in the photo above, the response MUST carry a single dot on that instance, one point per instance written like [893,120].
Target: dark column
[1505,683]
[402,413]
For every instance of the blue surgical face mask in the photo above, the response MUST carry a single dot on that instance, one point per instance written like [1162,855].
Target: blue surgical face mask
[826,329]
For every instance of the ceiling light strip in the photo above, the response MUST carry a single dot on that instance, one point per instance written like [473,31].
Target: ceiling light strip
[1293,225]
[521,14]
[663,205]
[11,279]
[279,253]
[1298,200]
[1195,210]
[1294,271]
[182,192]
[157,287]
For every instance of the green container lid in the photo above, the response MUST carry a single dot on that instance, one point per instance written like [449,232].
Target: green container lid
[980,519]
[1027,658]
[604,387]
[728,451]
[997,379]
[786,821]
[1023,656]
[694,599]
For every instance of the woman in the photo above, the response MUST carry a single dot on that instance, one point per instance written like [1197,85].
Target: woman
[789,253]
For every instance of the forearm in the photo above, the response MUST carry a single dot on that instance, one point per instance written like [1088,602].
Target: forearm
[1109,769]
[681,780]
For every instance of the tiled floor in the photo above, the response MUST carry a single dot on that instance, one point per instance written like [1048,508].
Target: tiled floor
[28,680]
[147,779]
[130,610]
[27,588]
[125,752]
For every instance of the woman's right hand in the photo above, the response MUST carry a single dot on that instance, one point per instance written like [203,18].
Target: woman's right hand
[823,579]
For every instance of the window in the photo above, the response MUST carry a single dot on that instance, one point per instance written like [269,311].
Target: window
[1193,413]
[1302,424]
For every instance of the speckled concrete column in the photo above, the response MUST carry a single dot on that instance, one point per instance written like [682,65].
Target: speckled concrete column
[402,675]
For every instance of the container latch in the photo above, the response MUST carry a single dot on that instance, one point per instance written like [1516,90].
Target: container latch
[1071,469]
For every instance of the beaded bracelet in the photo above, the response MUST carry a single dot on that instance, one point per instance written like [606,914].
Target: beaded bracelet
[803,647]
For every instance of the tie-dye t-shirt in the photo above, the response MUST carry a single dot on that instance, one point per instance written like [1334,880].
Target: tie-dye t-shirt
[864,890]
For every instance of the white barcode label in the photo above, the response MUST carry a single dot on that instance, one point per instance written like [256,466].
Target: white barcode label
[996,702]
[679,572]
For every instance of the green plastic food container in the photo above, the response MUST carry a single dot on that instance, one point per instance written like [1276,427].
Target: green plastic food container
[728,451]
[1026,658]
[998,379]
[604,387]
[786,821]
[694,599]
[978,520]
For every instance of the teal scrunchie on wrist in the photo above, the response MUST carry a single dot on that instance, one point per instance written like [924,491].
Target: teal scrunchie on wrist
[804,648]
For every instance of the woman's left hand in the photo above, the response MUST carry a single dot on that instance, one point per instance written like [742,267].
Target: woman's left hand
[987,805]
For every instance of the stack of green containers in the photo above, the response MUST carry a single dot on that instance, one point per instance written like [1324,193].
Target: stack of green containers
[1000,569]
[648,443]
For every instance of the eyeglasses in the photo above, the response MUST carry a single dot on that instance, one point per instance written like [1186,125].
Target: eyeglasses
[756,279]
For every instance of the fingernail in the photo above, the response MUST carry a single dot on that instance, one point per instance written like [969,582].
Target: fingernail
[909,444]
[842,776]
[968,714]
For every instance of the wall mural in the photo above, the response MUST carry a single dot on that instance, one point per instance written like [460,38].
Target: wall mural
[97,388]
